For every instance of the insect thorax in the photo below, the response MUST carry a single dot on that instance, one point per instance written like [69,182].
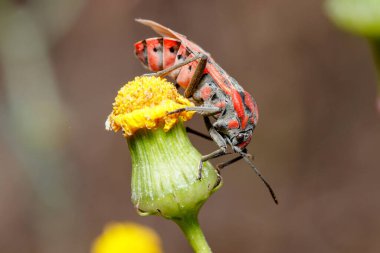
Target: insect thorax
[227,121]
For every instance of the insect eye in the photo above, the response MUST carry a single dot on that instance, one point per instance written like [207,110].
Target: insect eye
[240,137]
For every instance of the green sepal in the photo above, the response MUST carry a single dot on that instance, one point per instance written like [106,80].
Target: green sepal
[165,174]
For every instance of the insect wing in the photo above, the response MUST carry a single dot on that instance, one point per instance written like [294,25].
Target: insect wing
[171,47]
[164,31]
[217,73]
[160,29]
[186,73]
[155,53]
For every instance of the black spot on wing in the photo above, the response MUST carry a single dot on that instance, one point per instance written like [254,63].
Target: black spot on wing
[145,53]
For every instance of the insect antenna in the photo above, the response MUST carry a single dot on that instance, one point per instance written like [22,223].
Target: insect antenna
[247,158]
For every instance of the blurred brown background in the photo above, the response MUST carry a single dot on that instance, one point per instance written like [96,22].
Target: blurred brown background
[62,176]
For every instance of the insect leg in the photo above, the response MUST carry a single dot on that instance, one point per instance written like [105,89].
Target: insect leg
[247,158]
[215,154]
[203,110]
[196,78]
[166,71]
[219,140]
[195,132]
[207,123]
[225,164]
[215,135]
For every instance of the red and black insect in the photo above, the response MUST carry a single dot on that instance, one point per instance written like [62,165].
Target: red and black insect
[215,93]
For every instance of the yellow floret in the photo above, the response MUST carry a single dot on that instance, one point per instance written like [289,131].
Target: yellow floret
[144,103]
[127,238]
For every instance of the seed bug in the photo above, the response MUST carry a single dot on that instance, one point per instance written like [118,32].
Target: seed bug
[216,94]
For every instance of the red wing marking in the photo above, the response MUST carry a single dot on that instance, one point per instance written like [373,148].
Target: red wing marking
[238,104]
[233,124]
[186,73]
[244,122]
[220,80]
[249,102]
[171,47]
[180,57]
[154,50]
[140,51]
[252,106]
[206,92]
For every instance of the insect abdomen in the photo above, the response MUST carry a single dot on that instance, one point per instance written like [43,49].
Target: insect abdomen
[163,52]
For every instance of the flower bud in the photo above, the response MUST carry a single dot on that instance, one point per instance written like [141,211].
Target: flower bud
[165,171]
[360,17]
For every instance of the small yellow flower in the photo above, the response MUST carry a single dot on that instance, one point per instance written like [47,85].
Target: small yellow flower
[144,103]
[127,237]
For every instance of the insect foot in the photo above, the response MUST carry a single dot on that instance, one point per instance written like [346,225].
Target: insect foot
[149,74]
[200,168]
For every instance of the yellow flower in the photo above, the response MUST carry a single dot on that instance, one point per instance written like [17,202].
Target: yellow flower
[127,237]
[144,103]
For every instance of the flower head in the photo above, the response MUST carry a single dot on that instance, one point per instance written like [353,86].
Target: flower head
[127,237]
[144,103]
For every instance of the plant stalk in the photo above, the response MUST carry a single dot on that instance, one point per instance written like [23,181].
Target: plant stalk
[191,229]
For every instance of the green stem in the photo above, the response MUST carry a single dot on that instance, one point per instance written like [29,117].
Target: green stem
[194,234]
